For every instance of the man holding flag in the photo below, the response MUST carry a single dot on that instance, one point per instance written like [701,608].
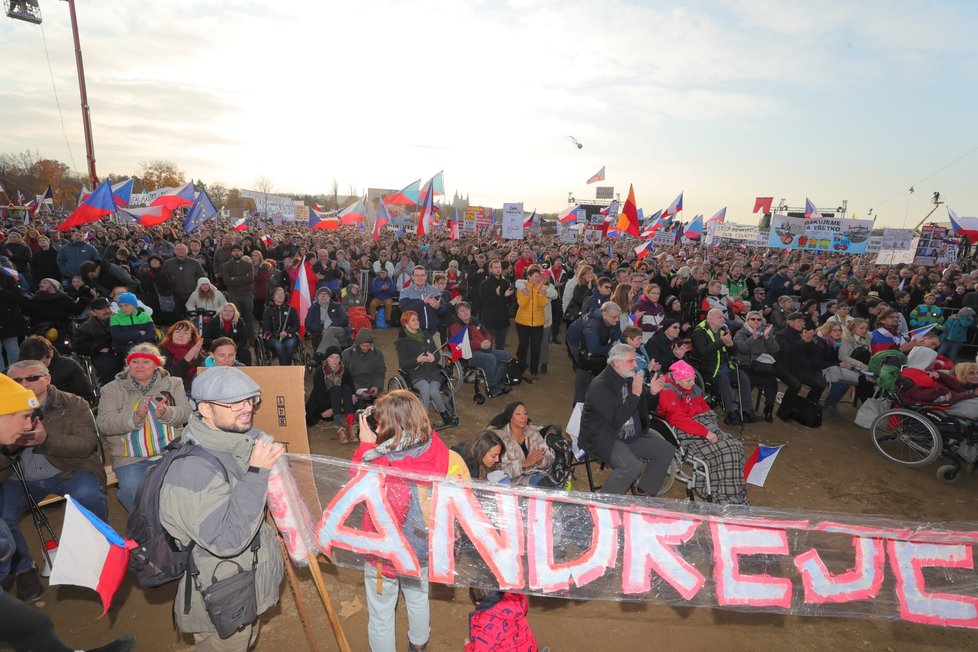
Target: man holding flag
[22,626]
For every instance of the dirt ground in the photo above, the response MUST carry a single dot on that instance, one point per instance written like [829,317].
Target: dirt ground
[832,469]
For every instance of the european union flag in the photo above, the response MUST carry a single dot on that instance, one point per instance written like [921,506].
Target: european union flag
[202,210]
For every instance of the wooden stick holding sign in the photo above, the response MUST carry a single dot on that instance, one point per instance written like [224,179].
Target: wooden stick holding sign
[300,604]
[334,621]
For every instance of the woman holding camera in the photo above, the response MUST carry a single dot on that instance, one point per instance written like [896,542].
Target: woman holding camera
[400,438]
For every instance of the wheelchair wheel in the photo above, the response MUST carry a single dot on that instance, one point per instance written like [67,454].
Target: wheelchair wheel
[906,437]
[396,383]
[263,357]
[455,373]
[949,473]
[479,398]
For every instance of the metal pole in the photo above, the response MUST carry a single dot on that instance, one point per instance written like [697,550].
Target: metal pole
[86,113]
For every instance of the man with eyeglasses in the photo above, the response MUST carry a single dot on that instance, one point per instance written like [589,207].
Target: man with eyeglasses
[223,510]
[59,455]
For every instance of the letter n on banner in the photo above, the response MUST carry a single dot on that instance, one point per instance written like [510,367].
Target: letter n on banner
[649,543]
[545,575]
[366,487]
[907,559]
[862,582]
[730,542]
[501,548]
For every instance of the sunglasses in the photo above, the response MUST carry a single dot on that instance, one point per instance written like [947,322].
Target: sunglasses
[28,379]
[753,319]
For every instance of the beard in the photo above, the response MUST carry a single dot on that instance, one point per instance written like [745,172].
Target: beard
[231,424]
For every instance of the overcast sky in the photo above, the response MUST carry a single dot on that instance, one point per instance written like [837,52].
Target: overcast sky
[723,100]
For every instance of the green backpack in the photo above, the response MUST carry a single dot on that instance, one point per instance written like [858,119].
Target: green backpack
[886,358]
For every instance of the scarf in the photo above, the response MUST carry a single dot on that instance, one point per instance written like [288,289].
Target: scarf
[178,352]
[407,440]
[417,336]
[333,378]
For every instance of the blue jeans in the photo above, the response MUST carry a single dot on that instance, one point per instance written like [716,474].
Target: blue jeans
[129,477]
[836,392]
[494,363]
[83,487]
[284,349]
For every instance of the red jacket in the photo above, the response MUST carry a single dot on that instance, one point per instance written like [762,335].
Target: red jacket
[430,458]
[499,625]
[927,390]
[519,267]
[476,335]
[679,407]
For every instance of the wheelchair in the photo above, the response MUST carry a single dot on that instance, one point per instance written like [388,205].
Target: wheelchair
[400,381]
[91,374]
[462,371]
[915,435]
[264,356]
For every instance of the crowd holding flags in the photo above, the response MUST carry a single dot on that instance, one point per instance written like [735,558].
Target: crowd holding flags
[93,208]
[202,210]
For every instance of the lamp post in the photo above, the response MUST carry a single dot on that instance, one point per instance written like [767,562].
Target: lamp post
[29,11]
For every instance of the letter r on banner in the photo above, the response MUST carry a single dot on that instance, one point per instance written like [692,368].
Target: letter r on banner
[907,559]
[730,542]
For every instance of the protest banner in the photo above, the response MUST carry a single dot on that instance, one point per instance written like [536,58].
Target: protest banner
[474,218]
[933,247]
[513,221]
[593,234]
[607,547]
[895,246]
[719,233]
[825,234]
[665,238]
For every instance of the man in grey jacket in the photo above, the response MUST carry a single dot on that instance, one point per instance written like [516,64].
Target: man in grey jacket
[185,272]
[222,516]
[239,278]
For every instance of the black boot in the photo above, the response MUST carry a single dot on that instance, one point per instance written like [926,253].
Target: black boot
[769,414]
[750,417]
[732,419]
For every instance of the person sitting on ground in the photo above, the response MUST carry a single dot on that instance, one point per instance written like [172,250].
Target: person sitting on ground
[58,455]
[682,405]
[614,425]
[280,327]
[131,325]
[499,622]
[493,362]
[206,297]
[367,366]
[22,626]
[483,456]
[223,353]
[332,396]
[327,322]
[229,323]
[527,457]
[66,374]
[714,348]
[138,413]
[181,348]
[417,357]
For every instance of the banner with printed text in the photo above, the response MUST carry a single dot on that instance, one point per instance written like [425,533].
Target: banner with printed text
[718,233]
[603,547]
[933,247]
[825,234]
[513,221]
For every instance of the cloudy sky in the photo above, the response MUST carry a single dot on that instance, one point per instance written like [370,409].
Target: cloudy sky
[723,100]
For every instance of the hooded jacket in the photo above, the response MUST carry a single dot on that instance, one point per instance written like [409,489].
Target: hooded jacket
[679,406]
[499,624]
[197,302]
[221,518]
[368,369]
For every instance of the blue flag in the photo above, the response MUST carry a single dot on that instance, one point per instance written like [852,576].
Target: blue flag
[202,210]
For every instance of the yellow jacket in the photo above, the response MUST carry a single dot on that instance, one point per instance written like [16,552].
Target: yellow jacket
[531,301]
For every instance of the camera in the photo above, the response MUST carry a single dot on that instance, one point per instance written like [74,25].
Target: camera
[368,412]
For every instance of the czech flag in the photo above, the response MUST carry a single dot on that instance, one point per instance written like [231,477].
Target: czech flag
[48,197]
[759,464]
[318,221]
[93,208]
[643,250]
[918,333]
[427,211]
[610,209]
[964,226]
[301,298]
[122,192]
[459,345]
[597,176]
[353,214]
[695,229]
[240,225]
[383,218]
[90,554]
[178,198]
[719,216]
[811,211]
[148,216]
[436,184]
[569,214]
[674,207]
[408,195]
[528,222]
[12,273]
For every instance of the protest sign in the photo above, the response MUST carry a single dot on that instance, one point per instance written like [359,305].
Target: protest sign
[933,247]
[895,246]
[593,234]
[825,234]
[513,221]
[719,233]
[624,548]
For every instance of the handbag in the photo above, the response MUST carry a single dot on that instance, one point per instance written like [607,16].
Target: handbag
[232,603]
[763,365]
[807,412]
[870,410]
[591,362]
[167,302]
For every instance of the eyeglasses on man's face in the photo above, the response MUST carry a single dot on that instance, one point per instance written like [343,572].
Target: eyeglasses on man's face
[250,403]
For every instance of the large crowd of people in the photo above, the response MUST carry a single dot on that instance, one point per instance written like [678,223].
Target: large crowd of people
[683,337]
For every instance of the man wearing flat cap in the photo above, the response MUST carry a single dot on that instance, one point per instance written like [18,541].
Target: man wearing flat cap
[223,515]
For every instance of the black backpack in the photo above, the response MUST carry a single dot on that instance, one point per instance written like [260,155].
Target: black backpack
[807,412]
[158,559]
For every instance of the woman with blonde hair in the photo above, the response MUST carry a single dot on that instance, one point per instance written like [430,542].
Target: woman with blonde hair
[395,433]
[228,323]
[967,374]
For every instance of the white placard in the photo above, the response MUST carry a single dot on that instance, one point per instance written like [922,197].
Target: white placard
[513,221]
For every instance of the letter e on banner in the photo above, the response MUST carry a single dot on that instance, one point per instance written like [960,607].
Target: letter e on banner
[649,542]
[862,582]
[501,548]
[907,559]
[730,542]
[545,575]
[366,487]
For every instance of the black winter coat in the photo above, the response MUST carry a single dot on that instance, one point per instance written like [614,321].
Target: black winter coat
[495,305]
[605,412]
[12,322]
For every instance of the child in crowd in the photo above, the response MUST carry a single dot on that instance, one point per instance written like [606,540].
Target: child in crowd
[499,623]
